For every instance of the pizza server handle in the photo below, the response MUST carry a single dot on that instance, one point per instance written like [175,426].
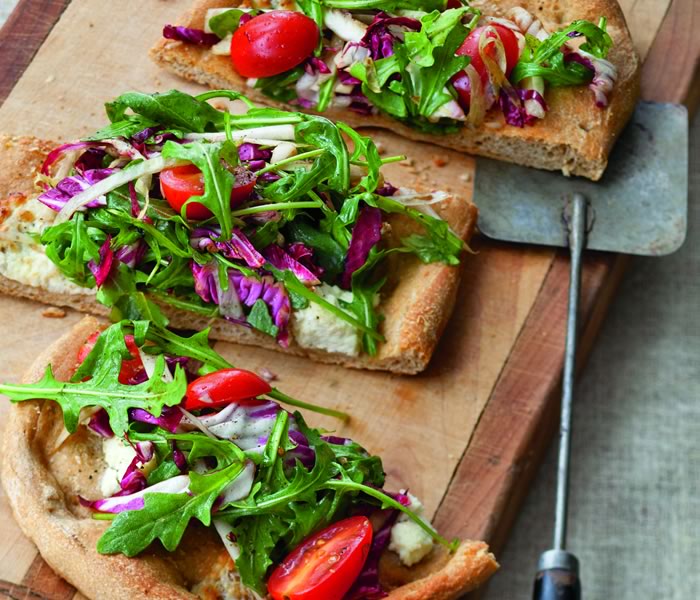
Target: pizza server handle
[557,572]
[557,577]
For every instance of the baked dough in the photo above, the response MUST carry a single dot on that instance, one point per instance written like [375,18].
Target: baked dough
[575,136]
[42,485]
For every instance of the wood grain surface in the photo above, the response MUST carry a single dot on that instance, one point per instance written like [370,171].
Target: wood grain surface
[492,390]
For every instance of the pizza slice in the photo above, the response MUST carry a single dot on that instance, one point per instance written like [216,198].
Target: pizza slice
[547,84]
[274,228]
[143,465]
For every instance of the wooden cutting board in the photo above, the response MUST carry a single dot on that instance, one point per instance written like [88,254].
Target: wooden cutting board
[466,435]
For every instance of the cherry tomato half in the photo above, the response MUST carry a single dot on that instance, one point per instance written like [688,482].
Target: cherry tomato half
[223,387]
[131,368]
[325,565]
[273,43]
[179,184]
[470,47]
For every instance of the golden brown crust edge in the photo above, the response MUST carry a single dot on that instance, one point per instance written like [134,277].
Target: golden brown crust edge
[67,542]
[575,137]
[416,312]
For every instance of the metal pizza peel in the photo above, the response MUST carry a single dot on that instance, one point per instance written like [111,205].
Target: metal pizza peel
[639,207]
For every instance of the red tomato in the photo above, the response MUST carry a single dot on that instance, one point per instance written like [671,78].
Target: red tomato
[131,368]
[179,184]
[243,188]
[224,387]
[273,43]
[325,565]
[454,4]
[470,47]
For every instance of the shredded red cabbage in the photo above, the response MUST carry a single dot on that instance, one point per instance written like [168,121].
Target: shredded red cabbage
[190,35]
[315,65]
[604,75]
[131,254]
[365,235]
[513,106]
[169,418]
[248,290]
[273,294]
[116,504]
[101,270]
[57,153]
[283,261]
[367,585]
[56,198]
[305,256]
[99,423]
[380,40]
[238,247]
[249,151]
[91,159]
[386,190]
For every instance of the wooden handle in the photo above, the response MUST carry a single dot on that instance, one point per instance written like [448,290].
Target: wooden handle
[557,584]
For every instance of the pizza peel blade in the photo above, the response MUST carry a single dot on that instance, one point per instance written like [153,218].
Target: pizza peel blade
[639,206]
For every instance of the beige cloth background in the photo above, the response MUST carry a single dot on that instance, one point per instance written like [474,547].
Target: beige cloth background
[635,504]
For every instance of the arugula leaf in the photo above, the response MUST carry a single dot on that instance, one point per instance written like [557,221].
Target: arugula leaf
[314,9]
[435,29]
[170,109]
[430,85]
[218,181]
[545,58]
[228,21]
[390,6]
[70,246]
[104,389]
[127,127]
[195,346]
[364,147]
[259,318]
[165,517]
[280,87]
[439,243]
[329,253]
[363,306]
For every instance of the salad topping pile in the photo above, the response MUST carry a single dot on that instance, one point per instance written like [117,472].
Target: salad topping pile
[206,441]
[434,64]
[268,218]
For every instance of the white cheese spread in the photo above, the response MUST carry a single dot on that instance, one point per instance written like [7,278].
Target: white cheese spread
[408,540]
[23,260]
[118,457]
[315,327]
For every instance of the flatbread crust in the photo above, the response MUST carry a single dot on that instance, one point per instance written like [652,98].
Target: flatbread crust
[575,136]
[416,303]
[42,484]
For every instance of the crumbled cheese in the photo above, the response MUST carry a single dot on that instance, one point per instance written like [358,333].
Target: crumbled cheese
[315,327]
[408,540]
[118,457]
[23,260]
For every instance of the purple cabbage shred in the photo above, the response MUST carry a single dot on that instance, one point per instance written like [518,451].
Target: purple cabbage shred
[169,418]
[101,270]
[365,235]
[280,259]
[190,35]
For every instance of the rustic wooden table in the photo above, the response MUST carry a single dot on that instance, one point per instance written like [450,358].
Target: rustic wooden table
[493,471]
